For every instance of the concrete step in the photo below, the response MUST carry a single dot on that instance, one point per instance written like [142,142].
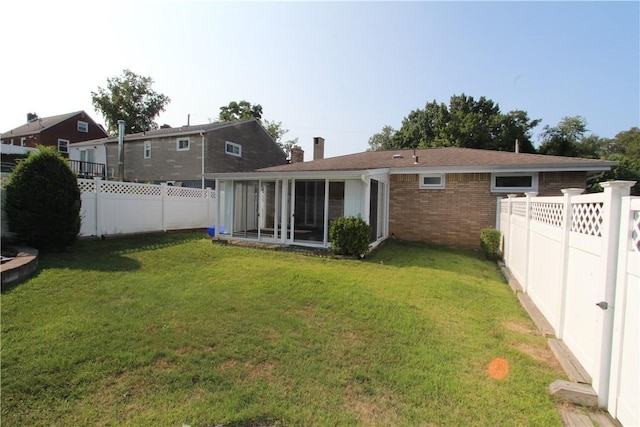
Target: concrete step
[574,393]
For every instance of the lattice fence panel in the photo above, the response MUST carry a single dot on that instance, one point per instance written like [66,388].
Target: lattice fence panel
[547,213]
[132,189]
[586,218]
[635,234]
[87,186]
[519,208]
[194,193]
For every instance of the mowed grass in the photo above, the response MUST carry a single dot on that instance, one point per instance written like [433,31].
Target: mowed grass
[166,330]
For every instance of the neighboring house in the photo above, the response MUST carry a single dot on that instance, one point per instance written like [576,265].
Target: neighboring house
[56,131]
[179,156]
[438,195]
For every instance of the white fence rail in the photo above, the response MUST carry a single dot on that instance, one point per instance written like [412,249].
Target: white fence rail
[110,207]
[578,258]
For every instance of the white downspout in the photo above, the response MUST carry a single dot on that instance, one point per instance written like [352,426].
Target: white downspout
[202,136]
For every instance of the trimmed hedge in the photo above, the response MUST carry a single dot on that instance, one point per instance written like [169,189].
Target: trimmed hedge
[350,236]
[43,201]
[490,243]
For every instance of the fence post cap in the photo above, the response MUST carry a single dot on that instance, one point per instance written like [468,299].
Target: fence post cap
[572,191]
[618,184]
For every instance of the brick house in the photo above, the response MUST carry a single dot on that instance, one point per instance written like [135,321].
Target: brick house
[180,155]
[56,131]
[439,195]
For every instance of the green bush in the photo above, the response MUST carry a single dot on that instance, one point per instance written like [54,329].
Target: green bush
[490,243]
[43,201]
[350,236]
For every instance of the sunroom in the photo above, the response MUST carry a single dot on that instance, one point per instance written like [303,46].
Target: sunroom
[297,208]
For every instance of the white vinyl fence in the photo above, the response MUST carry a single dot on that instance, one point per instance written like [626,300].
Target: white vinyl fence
[578,258]
[112,207]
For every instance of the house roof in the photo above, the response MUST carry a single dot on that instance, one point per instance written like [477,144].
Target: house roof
[445,159]
[158,133]
[38,125]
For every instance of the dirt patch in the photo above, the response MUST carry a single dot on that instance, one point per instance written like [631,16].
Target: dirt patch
[180,351]
[250,371]
[521,327]
[540,354]
[371,409]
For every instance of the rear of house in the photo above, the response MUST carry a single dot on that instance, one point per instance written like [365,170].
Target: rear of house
[439,195]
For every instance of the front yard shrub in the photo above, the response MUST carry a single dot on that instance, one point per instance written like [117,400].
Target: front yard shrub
[490,243]
[350,236]
[43,201]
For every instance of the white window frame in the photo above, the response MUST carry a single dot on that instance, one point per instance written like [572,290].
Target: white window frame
[233,146]
[533,187]
[83,126]
[439,186]
[184,147]
[147,149]
[63,143]
[23,142]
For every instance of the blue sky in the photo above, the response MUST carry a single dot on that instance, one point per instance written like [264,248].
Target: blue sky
[332,69]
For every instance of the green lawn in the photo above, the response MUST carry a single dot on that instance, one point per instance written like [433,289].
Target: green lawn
[166,330]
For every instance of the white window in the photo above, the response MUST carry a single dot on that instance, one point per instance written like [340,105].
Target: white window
[514,182]
[63,146]
[23,142]
[233,149]
[147,149]
[431,180]
[83,126]
[182,144]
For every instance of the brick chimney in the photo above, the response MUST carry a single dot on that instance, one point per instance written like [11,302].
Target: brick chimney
[297,154]
[318,148]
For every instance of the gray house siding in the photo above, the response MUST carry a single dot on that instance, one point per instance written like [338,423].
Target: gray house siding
[167,163]
[258,149]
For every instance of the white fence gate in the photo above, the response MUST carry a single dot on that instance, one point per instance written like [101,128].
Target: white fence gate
[578,258]
[111,207]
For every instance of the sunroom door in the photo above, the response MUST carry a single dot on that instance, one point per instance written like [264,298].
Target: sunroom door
[268,211]
[308,211]
[245,209]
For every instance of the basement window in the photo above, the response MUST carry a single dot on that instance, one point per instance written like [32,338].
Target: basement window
[233,149]
[431,181]
[182,144]
[514,182]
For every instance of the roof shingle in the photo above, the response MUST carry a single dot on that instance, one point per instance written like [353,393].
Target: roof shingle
[443,157]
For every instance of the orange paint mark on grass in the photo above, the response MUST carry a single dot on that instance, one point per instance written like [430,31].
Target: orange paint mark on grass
[498,368]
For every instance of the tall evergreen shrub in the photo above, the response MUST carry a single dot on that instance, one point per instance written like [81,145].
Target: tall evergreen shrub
[43,201]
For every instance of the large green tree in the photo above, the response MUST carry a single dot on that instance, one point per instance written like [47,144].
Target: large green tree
[129,97]
[465,122]
[625,149]
[242,110]
[277,132]
[567,138]
[382,140]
